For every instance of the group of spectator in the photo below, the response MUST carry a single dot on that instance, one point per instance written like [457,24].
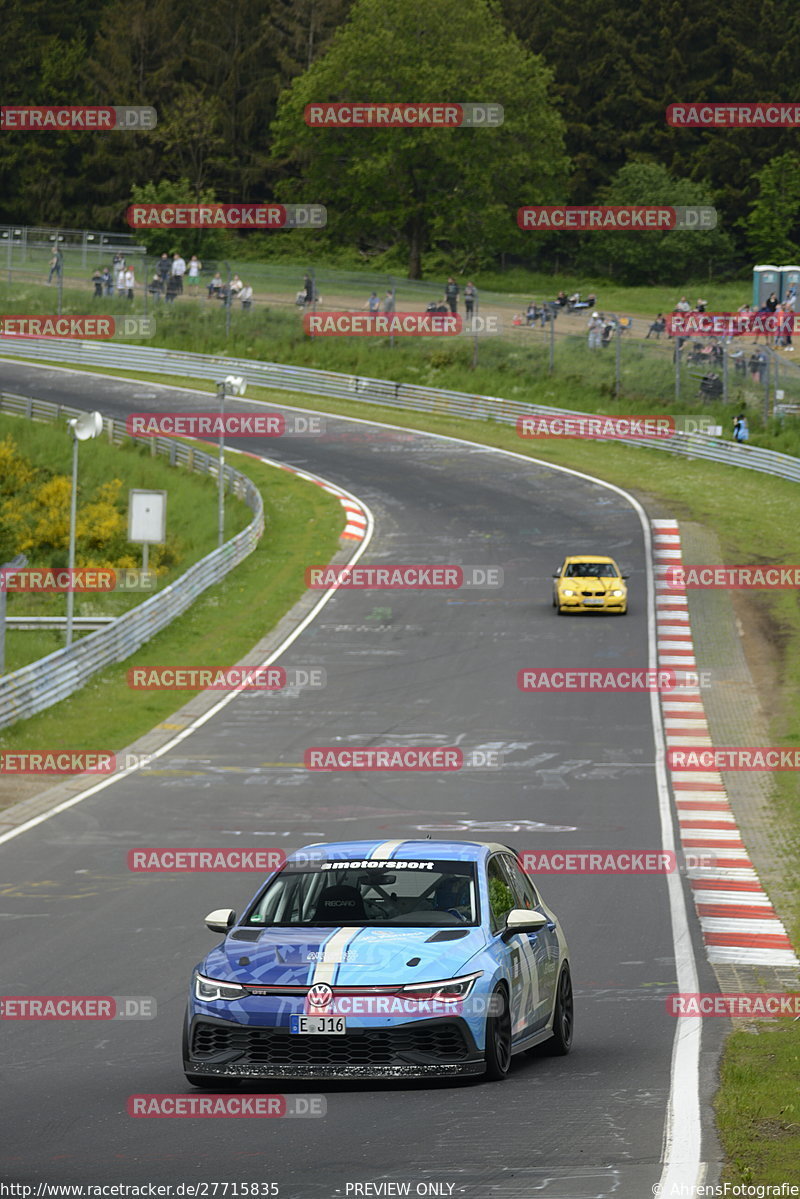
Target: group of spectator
[375,304]
[575,303]
[119,279]
[449,302]
[236,289]
[167,282]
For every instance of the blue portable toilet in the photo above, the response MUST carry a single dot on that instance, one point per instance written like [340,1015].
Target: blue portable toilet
[790,278]
[766,280]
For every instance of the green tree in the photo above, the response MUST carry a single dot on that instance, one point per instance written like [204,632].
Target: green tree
[203,242]
[774,221]
[453,190]
[191,136]
[651,258]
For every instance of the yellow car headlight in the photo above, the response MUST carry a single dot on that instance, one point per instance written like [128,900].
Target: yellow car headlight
[567,591]
[618,592]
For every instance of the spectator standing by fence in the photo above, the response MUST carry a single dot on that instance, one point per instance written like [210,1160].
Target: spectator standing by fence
[129,281]
[56,263]
[195,267]
[451,294]
[470,299]
[596,326]
[178,270]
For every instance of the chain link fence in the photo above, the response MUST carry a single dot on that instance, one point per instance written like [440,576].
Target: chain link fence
[627,358]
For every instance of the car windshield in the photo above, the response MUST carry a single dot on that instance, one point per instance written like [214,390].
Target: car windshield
[405,893]
[590,570]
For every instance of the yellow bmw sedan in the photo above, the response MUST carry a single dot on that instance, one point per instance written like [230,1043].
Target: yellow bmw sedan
[589,583]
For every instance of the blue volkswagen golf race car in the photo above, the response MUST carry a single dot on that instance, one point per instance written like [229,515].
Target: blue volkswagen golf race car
[368,960]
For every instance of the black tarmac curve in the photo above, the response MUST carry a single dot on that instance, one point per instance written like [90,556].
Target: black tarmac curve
[402,667]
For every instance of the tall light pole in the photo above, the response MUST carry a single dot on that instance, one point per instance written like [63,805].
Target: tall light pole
[6,570]
[84,428]
[232,385]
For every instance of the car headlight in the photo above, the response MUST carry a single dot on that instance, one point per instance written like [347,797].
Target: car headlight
[211,990]
[568,592]
[618,592]
[451,990]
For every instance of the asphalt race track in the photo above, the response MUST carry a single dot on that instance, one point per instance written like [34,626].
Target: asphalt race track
[402,668]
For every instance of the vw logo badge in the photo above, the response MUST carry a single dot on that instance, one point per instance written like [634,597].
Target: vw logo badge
[320,995]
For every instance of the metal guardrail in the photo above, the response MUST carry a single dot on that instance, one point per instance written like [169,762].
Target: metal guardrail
[58,622]
[310,381]
[41,684]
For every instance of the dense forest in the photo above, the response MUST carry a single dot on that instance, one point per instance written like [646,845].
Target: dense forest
[584,87]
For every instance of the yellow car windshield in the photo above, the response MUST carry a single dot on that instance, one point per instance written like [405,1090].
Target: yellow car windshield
[590,570]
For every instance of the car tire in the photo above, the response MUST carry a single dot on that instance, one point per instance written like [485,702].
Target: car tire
[498,1037]
[563,1017]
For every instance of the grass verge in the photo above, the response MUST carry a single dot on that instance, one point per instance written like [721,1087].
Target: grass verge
[758,1106]
[303,525]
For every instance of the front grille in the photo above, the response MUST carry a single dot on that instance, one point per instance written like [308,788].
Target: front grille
[437,1041]
[593,594]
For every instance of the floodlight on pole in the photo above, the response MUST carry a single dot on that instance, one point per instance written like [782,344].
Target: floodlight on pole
[232,385]
[84,428]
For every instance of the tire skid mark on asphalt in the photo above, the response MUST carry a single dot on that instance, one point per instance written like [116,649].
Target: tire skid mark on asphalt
[738,921]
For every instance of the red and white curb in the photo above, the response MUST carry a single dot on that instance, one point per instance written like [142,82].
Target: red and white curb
[356,526]
[739,924]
